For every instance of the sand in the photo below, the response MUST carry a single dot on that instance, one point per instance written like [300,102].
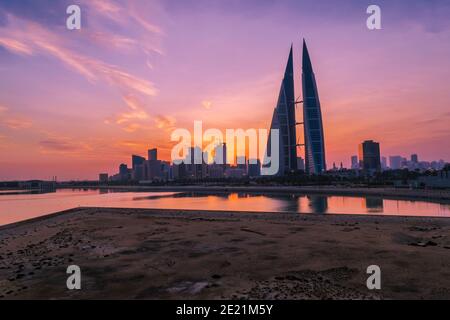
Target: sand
[172,254]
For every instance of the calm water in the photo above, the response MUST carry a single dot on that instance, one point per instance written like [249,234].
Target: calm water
[25,206]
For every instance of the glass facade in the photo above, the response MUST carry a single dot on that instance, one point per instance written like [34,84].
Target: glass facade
[284,120]
[312,116]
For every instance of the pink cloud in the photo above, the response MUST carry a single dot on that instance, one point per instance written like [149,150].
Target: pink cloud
[30,38]
[17,123]
[165,122]
[16,46]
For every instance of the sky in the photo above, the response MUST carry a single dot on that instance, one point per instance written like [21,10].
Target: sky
[74,103]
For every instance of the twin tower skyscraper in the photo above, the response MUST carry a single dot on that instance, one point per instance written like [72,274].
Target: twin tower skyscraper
[284,120]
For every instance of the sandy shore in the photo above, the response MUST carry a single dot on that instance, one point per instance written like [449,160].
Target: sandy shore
[169,254]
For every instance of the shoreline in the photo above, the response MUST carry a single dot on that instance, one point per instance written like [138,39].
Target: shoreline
[192,254]
[436,196]
[254,214]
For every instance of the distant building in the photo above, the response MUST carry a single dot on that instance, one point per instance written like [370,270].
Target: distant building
[355,164]
[383,163]
[179,171]
[103,178]
[124,173]
[441,180]
[196,167]
[136,160]
[216,171]
[300,163]
[414,158]
[369,156]
[153,154]
[235,172]
[254,169]
[241,163]
[395,162]
[139,172]
[220,154]
[123,169]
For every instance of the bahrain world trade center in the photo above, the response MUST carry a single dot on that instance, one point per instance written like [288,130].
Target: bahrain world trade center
[284,120]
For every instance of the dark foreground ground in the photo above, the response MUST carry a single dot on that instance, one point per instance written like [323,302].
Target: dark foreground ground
[170,254]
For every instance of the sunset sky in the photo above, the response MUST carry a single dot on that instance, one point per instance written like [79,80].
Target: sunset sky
[77,103]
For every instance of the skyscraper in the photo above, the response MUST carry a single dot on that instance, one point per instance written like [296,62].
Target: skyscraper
[369,155]
[312,118]
[138,167]
[124,172]
[153,154]
[284,120]
[136,160]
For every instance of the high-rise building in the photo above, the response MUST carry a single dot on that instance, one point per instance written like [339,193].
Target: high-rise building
[124,172]
[414,158]
[355,164]
[283,120]
[139,172]
[369,155]
[312,118]
[153,154]
[136,160]
[138,168]
[123,169]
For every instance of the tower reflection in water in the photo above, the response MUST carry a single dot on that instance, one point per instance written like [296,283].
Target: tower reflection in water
[373,204]
[318,204]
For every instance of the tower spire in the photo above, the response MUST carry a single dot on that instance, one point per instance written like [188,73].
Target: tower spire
[306,61]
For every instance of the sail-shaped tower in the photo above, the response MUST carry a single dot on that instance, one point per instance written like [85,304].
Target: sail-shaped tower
[284,120]
[312,118]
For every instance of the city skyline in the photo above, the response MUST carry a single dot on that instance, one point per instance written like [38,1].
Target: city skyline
[75,104]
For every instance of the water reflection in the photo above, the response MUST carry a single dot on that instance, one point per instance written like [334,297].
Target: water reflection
[374,204]
[16,207]
[318,204]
